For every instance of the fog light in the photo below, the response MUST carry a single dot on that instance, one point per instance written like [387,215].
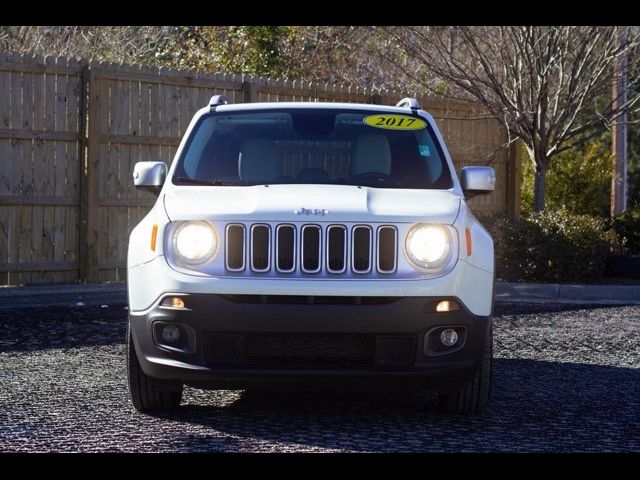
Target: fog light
[170,333]
[449,337]
[447,306]
[174,302]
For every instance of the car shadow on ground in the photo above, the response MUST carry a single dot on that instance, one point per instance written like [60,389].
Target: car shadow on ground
[38,328]
[536,406]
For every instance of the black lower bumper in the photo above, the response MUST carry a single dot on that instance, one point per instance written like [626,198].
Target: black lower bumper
[262,341]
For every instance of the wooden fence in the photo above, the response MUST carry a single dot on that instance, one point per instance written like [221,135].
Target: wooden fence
[71,132]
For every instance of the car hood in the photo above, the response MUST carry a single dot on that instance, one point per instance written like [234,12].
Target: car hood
[290,203]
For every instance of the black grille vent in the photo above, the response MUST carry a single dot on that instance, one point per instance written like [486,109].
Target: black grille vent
[260,248]
[286,241]
[310,349]
[361,249]
[235,247]
[311,248]
[386,249]
[337,248]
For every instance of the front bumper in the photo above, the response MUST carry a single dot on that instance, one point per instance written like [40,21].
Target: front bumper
[218,332]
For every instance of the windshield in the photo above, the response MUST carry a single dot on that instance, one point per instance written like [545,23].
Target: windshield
[321,146]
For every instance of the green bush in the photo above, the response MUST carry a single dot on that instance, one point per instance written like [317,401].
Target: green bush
[578,180]
[552,247]
[627,227]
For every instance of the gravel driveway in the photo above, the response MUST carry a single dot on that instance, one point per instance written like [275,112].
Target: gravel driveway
[566,379]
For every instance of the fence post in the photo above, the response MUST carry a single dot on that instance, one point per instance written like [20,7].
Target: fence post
[249,92]
[89,176]
[514,178]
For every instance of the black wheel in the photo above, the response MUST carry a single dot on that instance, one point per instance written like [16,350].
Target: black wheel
[473,397]
[146,393]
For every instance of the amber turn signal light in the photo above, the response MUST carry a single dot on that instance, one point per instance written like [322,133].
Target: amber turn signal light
[467,231]
[447,306]
[154,235]
[173,302]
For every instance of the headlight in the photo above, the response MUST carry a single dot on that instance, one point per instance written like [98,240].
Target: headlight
[195,242]
[428,246]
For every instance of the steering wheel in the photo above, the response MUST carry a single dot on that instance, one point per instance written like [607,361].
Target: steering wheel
[375,177]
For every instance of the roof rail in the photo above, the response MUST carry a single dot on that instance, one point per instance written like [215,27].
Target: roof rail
[412,103]
[216,101]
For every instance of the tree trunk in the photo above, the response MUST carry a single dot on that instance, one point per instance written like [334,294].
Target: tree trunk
[539,185]
[540,162]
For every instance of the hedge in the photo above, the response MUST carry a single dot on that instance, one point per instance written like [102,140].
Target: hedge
[554,246]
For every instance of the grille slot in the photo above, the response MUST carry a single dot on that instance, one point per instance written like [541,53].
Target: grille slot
[361,249]
[260,248]
[309,349]
[311,248]
[286,248]
[235,245]
[336,249]
[387,241]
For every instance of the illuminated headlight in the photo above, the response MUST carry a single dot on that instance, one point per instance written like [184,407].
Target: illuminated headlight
[195,242]
[428,246]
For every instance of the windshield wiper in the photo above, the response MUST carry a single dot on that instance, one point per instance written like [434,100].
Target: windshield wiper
[197,181]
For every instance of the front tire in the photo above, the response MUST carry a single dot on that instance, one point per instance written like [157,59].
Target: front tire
[473,397]
[149,394]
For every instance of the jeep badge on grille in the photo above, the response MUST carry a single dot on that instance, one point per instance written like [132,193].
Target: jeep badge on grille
[312,211]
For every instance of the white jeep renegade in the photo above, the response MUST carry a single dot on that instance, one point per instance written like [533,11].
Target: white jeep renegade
[310,244]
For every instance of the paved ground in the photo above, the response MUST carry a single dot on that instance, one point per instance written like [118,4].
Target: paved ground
[566,379]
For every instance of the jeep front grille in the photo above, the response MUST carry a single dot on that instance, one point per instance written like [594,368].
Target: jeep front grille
[311,249]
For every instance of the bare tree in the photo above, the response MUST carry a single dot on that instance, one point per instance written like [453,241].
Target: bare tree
[140,45]
[549,85]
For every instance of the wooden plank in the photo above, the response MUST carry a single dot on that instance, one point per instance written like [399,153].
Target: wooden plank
[37,266]
[165,78]
[31,95]
[59,214]
[110,244]
[35,68]
[5,99]
[164,109]
[18,104]
[38,135]
[155,115]
[185,112]
[121,107]
[89,239]
[71,238]
[112,264]
[72,96]
[5,240]
[126,202]
[6,170]
[141,140]
[145,109]
[37,224]
[122,236]
[174,112]
[134,109]
[122,180]
[48,188]
[13,242]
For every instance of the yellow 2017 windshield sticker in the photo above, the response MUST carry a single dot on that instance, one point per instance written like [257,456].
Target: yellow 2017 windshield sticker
[395,122]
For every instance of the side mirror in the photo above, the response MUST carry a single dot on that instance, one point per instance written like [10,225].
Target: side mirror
[477,180]
[150,176]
